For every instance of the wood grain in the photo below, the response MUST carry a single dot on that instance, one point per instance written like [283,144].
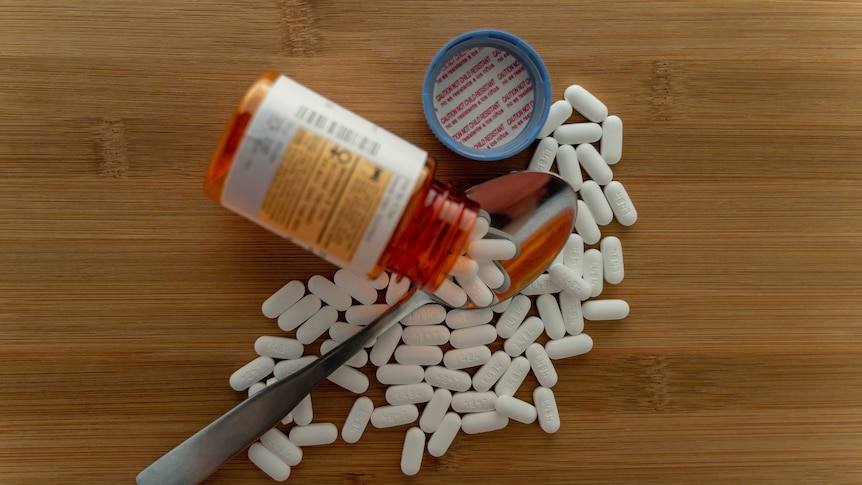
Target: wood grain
[127,298]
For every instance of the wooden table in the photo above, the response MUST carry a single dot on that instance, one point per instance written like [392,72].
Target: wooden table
[127,298]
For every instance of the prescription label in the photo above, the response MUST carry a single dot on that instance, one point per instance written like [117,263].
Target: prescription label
[323,177]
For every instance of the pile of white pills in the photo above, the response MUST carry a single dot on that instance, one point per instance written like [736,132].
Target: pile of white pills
[442,376]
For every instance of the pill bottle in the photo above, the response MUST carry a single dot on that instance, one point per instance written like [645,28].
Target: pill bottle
[337,185]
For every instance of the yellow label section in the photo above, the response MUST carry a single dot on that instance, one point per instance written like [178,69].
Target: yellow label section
[323,195]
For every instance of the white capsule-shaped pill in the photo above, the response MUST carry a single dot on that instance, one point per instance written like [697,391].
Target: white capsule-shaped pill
[314,434]
[502,306]
[573,253]
[329,292]
[549,312]
[357,419]
[595,199]
[443,436]
[453,380]
[288,367]
[486,422]
[586,225]
[570,281]
[350,379]
[473,336]
[395,374]
[491,274]
[465,358]
[425,335]
[593,164]
[390,416]
[464,266]
[526,334]
[544,155]
[268,462]
[463,318]
[281,446]
[385,345]
[380,282]
[569,346]
[411,452]
[451,294]
[586,103]
[303,413]
[299,312]
[397,287]
[492,249]
[364,314]
[541,285]
[612,258]
[573,317]
[514,408]
[541,365]
[558,113]
[568,166]
[316,325]
[282,299]
[355,286]
[340,332]
[435,410]
[256,388]
[610,309]
[251,372]
[429,314]
[358,360]
[418,354]
[511,380]
[594,271]
[488,375]
[546,407]
[511,319]
[409,393]
[480,228]
[473,401]
[621,203]
[576,133]
[611,146]
[278,347]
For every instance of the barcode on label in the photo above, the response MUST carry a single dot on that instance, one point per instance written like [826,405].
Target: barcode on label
[337,130]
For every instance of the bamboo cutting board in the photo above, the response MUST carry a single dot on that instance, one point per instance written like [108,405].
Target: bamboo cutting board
[127,299]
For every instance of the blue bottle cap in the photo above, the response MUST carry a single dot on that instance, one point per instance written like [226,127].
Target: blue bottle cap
[486,95]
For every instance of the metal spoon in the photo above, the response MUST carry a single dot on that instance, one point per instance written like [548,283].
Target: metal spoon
[535,209]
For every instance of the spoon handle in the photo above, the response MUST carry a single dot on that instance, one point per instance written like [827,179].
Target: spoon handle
[204,452]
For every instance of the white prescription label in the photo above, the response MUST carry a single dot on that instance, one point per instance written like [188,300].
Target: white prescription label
[323,177]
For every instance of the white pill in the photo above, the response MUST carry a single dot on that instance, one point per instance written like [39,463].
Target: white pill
[357,419]
[541,365]
[395,374]
[251,372]
[488,421]
[282,299]
[491,274]
[594,271]
[585,103]
[281,446]
[271,381]
[418,354]
[492,249]
[473,336]
[409,393]
[389,416]
[462,318]
[593,164]
[299,313]
[558,113]
[473,401]
[429,314]
[278,347]
[576,133]
[256,388]
[492,371]
[303,413]
[549,312]
[316,325]
[569,346]
[480,228]
[443,436]
[540,286]
[329,292]
[612,258]
[314,434]
[573,317]
[610,309]
[286,368]
[364,314]
[425,335]
[385,346]
[380,282]
[611,146]
[435,410]
[451,294]
[585,224]
[570,281]
[349,379]
[544,155]
[453,380]
[573,253]
[268,462]
[287,419]
[511,319]
[340,332]
[595,199]
[511,380]
[464,266]
[621,203]
[398,286]
[568,166]
[355,286]
[411,453]
[546,406]
[502,306]
[358,360]
[514,408]
[465,358]
[526,334]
